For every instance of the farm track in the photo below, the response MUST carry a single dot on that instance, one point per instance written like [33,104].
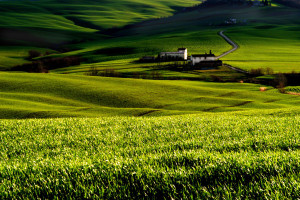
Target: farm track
[234,45]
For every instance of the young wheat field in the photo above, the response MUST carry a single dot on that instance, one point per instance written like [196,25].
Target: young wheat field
[190,157]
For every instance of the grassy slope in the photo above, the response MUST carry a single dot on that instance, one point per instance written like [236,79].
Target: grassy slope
[50,95]
[196,42]
[50,23]
[269,42]
[101,13]
[178,157]
[149,38]
[268,37]
[68,20]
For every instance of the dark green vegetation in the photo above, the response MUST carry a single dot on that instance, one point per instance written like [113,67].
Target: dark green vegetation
[189,157]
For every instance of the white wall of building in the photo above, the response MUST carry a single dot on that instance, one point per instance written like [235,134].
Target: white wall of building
[198,59]
[172,54]
[185,53]
[181,54]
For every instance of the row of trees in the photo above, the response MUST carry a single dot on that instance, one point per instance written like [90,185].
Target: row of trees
[34,54]
[46,64]
[93,71]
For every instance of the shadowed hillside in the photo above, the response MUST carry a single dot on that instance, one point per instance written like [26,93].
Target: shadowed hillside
[47,22]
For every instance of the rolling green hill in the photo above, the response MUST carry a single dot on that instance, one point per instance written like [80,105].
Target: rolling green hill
[50,95]
[54,14]
[51,23]
[267,36]
[232,141]
[180,157]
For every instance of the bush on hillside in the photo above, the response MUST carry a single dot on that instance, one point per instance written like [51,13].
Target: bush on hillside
[216,78]
[281,82]
[34,67]
[261,71]
[156,75]
[93,71]
[110,73]
[33,54]
[269,71]
[44,65]
[257,72]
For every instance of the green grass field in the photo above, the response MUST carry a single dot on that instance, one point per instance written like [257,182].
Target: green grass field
[50,95]
[268,37]
[184,157]
[278,48]
[100,13]
[52,22]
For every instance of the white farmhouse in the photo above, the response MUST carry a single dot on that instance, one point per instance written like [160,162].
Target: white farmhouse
[196,59]
[181,54]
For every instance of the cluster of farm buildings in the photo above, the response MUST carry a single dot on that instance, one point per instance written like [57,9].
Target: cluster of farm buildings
[182,55]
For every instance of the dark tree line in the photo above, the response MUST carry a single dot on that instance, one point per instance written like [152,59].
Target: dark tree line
[46,64]
[34,54]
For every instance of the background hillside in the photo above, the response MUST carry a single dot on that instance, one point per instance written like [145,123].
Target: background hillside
[261,33]
[45,24]
[74,19]
[101,34]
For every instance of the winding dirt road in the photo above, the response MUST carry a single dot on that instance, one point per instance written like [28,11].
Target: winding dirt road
[234,45]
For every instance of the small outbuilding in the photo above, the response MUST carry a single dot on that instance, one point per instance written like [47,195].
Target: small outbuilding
[205,60]
[181,54]
[147,59]
[198,58]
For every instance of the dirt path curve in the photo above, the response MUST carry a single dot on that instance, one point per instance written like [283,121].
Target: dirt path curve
[234,45]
